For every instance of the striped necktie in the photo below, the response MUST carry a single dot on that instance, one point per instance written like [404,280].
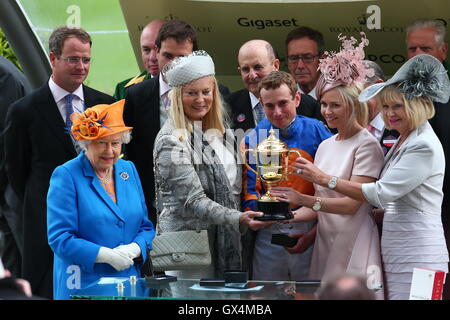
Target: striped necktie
[69,109]
[260,115]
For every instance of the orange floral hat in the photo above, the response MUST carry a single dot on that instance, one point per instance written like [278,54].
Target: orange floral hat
[98,121]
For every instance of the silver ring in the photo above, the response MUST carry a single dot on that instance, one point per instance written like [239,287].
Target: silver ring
[299,171]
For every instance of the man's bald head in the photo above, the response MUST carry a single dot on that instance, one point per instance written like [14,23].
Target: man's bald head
[256,59]
[148,47]
[264,48]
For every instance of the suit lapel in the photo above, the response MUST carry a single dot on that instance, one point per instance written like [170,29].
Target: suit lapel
[155,101]
[243,111]
[49,110]
[97,186]
[89,98]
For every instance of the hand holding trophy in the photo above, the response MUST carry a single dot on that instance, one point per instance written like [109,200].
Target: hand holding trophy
[272,163]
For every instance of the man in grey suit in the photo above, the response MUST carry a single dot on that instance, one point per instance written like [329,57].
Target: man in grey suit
[37,141]
[13,86]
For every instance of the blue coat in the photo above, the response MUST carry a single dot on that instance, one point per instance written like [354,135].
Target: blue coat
[81,218]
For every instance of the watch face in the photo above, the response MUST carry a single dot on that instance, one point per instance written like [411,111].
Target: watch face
[332,183]
[316,206]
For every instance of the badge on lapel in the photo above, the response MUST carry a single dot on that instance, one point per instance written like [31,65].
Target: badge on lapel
[389,141]
[124,175]
[241,117]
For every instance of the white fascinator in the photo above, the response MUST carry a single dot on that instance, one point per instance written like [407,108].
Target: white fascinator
[188,68]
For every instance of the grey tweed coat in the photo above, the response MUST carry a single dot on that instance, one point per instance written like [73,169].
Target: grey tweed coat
[193,192]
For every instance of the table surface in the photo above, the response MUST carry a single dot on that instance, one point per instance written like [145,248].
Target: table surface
[189,289]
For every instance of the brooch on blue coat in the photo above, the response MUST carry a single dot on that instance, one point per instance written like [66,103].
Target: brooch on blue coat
[124,175]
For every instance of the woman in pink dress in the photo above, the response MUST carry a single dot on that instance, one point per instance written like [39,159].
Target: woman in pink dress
[347,238]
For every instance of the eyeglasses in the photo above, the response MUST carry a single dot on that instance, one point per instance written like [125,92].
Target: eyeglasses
[306,58]
[76,60]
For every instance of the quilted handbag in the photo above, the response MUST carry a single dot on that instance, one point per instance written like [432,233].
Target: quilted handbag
[180,250]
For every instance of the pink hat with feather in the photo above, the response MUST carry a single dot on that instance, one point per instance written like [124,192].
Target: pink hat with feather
[345,67]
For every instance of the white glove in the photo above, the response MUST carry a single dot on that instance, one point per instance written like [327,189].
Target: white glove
[116,259]
[131,250]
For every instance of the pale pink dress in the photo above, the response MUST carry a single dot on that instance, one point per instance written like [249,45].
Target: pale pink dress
[348,243]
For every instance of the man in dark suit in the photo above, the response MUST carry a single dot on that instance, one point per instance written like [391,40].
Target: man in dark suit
[304,47]
[36,142]
[147,103]
[256,59]
[13,86]
[428,37]
[148,55]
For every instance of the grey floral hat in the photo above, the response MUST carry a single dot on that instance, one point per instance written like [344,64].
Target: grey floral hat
[420,76]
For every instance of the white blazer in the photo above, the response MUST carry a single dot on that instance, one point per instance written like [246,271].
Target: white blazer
[412,175]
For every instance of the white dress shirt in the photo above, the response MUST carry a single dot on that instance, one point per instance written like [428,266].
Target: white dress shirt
[59,94]
[312,93]
[377,124]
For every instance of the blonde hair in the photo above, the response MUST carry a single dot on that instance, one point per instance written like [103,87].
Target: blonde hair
[418,110]
[356,110]
[214,119]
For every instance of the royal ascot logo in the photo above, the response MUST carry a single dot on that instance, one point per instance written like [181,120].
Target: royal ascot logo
[369,21]
[363,28]
[261,24]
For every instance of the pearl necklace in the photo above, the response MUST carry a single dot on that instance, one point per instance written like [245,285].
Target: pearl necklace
[106,179]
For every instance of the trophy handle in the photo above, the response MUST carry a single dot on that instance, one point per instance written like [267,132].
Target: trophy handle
[295,151]
[245,161]
[289,152]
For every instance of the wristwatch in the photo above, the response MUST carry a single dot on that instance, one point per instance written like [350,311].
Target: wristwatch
[316,206]
[332,183]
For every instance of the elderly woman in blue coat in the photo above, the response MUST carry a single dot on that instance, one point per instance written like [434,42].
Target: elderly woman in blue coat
[96,213]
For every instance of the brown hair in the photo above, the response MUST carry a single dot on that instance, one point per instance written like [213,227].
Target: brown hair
[178,30]
[275,79]
[61,34]
[306,32]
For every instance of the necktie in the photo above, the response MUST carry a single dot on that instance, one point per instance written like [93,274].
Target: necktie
[164,102]
[259,113]
[69,109]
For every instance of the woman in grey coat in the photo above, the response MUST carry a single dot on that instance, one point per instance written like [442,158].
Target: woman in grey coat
[198,182]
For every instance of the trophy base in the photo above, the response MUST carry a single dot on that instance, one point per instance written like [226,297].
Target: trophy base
[274,210]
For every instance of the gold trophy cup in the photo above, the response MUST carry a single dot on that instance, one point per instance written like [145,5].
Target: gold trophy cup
[272,162]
